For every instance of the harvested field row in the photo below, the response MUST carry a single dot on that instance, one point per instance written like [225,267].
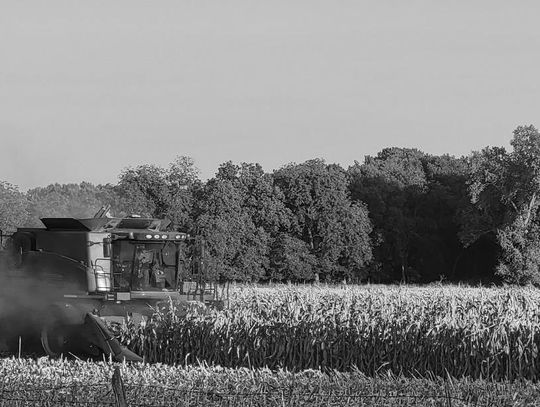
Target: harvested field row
[60,382]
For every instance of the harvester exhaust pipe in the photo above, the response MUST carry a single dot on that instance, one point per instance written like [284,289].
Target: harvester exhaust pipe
[107,342]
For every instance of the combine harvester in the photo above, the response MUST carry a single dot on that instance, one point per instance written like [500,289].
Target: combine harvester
[75,274]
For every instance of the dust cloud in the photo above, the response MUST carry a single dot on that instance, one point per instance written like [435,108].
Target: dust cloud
[26,297]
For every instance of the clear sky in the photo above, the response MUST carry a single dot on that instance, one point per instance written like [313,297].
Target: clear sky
[88,88]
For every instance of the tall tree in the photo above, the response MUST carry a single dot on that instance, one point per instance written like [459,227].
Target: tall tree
[153,191]
[183,178]
[440,251]
[335,229]
[291,259]
[13,208]
[66,200]
[505,192]
[144,191]
[263,200]
[260,203]
[235,247]
[413,200]
[392,184]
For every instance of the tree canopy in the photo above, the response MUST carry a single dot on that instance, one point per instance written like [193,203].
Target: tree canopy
[401,215]
[505,191]
[13,208]
[412,199]
[323,216]
[150,190]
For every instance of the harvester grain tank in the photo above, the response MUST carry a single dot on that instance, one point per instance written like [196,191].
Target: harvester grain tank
[81,273]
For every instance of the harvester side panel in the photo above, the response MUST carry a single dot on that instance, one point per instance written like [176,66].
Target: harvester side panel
[66,243]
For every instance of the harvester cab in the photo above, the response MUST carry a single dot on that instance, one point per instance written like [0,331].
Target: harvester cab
[105,269]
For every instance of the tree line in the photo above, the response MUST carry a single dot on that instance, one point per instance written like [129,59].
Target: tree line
[399,216]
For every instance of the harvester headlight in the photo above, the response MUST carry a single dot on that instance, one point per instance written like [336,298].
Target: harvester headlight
[164,236]
[178,237]
[156,236]
[148,236]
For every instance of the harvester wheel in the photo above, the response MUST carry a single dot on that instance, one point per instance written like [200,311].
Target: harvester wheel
[55,340]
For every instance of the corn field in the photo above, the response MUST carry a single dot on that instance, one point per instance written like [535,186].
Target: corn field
[45,382]
[478,333]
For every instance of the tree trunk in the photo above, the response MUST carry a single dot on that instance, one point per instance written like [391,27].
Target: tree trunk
[311,244]
[529,210]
